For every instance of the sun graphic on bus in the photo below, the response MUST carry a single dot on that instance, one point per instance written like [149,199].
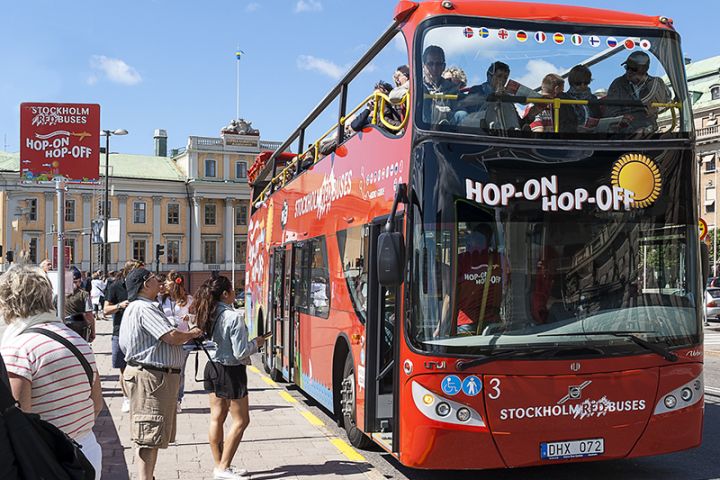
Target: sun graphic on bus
[639,174]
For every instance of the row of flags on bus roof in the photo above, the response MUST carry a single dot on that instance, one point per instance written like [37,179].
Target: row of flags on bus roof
[558,38]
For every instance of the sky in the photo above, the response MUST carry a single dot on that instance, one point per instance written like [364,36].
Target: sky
[171,64]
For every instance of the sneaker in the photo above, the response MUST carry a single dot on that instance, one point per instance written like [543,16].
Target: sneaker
[125,405]
[239,471]
[227,474]
[178,409]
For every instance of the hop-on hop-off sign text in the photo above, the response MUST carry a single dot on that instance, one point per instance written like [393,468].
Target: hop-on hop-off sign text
[59,139]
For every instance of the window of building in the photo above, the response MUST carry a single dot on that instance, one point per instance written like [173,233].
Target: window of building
[139,250]
[709,162]
[139,212]
[33,250]
[172,251]
[173,214]
[241,170]
[70,243]
[710,199]
[210,251]
[32,213]
[69,210]
[715,92]
[241,215]
[353,245]
[210,214]
[312,278]
[210,168]
[240,251]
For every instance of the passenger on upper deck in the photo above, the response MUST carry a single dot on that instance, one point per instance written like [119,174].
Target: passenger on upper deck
[475,110]
[388,113]
[540,116]
[436,110]
[587,115]
[401,77]
[457,76]
[637,85]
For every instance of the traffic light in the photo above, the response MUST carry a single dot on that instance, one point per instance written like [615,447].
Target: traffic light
[159,250]
[10,256]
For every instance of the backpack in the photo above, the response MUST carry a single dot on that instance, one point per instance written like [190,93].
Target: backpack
[42,451]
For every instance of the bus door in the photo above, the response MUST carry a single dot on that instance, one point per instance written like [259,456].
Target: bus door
[381,351]
[276,303]
[285,327]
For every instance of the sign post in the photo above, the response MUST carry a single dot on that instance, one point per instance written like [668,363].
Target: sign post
[60,140]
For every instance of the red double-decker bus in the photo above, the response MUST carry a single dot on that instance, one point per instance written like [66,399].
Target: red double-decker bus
[500,266]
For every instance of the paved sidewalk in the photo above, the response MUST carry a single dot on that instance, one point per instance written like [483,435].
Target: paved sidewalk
[284,440]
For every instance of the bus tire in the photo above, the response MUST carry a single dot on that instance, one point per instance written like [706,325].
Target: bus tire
[347,401]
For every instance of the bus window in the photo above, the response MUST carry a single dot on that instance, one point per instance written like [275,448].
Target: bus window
[353,246]
[529,79]
[312,278]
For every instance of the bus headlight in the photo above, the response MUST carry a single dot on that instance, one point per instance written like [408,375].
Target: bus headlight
[443,409]
[428,399]
[686,394]
[670,401]
[463,414]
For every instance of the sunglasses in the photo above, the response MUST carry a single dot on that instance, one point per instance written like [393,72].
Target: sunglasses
[633,69]
[435,64]
[580,83]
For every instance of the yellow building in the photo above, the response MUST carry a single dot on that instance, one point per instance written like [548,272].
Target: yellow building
[194,202]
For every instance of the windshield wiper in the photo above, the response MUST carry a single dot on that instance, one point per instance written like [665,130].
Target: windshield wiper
[653,347]
[491,357]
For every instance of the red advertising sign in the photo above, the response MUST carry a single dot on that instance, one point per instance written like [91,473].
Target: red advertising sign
[68,257]
[59,139]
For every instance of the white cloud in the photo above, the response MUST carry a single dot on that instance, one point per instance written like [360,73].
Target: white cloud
[536,71]
[115,70]
[92,80]
[326,67]
[308,6]
[252,7]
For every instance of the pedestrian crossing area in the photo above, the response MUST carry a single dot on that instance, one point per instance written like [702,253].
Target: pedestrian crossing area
[712,339]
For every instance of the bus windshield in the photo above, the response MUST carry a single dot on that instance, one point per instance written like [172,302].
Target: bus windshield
[525,79]
[519,251]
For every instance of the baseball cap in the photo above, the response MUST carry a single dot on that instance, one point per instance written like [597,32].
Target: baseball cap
[640,59]
[134,282]
[76,274]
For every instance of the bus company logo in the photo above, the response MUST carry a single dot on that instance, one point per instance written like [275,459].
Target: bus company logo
[639,174]
[54,115]
[321,200]
[545,189]
[586,409]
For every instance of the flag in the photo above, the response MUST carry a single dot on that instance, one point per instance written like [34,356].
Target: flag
[576,40]
[594,40]
[540,37]
[484,32]
[629,43]
[559,38]
[239,53]
[611,42]
[468,32]
[503,34]
[645,44]
[521,36]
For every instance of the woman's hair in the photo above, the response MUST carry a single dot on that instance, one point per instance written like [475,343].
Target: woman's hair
[579,73]
[456,75]
[24,291]
[206,299]
[129,266]
[176,290]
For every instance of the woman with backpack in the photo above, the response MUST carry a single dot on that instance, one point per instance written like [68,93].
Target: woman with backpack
[52,370]
[225,375]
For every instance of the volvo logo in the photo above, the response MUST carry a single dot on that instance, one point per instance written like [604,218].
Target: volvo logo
[574,392]
[575,366]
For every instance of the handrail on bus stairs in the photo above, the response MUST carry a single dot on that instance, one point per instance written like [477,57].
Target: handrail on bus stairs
[377,117]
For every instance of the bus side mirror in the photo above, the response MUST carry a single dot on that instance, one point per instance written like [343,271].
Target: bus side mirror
[704,262]
[390,262]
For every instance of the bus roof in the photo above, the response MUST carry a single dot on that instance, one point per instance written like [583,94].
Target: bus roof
[531,11]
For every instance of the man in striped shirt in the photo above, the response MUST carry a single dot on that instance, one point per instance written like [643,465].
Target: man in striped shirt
[153,352]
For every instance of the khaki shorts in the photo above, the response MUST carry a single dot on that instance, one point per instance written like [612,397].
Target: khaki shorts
[153,406]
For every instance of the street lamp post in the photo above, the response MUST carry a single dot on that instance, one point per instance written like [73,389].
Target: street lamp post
[106,213]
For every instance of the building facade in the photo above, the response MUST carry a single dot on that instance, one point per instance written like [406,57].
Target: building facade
[195,203]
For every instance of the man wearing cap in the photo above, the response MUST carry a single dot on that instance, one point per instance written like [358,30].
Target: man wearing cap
[637,85]
[153,352]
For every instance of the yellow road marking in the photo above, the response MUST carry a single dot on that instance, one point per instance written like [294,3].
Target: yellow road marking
[347,450]
[287,396]
[268,380]
[253,369]
[312,418]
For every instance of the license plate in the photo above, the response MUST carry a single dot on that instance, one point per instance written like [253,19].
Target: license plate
[572,449]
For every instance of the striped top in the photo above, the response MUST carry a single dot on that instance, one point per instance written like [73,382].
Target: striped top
[142,326]
[60,386]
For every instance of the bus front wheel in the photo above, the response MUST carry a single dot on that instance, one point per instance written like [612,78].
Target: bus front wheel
[348,404]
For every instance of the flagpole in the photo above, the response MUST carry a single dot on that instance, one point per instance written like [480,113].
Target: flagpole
[238,54]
